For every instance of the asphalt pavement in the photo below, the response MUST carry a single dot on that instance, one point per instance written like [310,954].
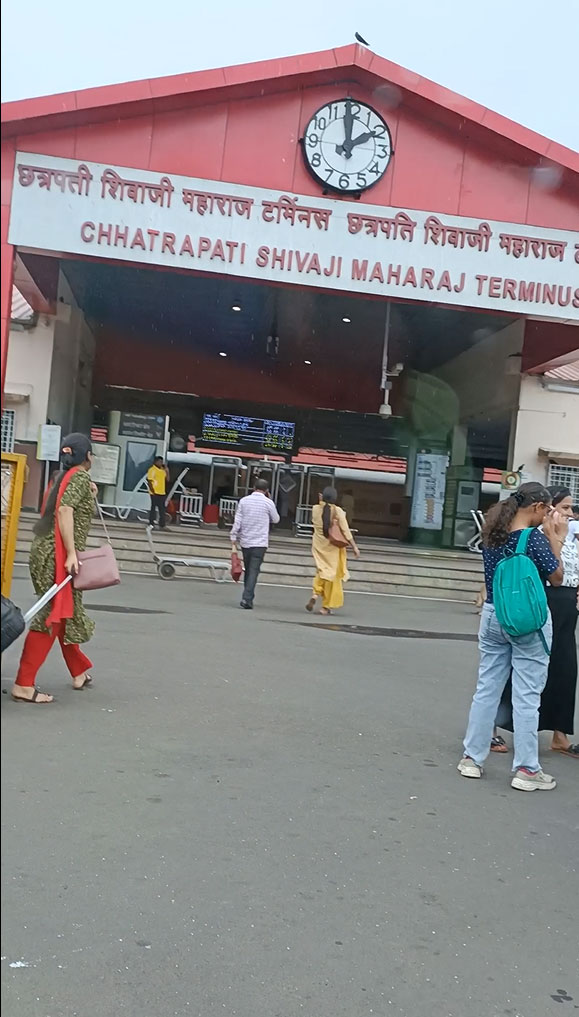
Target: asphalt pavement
[258,815]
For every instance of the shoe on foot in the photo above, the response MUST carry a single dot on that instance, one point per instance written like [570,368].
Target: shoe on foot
[539,781]
[468,768]
[246,606]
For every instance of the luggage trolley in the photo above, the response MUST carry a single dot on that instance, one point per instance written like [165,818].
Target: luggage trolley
[167,563]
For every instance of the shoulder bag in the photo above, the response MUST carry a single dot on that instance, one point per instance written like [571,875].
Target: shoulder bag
[98,567]
[335,535]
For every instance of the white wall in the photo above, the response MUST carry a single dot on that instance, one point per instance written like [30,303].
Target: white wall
[547,418]
[49,371]
[28,372]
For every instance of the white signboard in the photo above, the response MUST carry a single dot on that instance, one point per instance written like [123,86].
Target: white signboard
[105,463]
[428,493]
[134,215]
[48,447]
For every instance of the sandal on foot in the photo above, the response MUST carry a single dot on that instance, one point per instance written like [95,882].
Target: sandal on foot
[87,681]
[34,698]
[498,744]
[571,750]
[311,604]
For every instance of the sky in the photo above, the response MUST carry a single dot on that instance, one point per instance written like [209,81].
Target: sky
[518,57]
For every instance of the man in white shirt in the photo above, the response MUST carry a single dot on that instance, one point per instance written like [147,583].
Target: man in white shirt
[255,514]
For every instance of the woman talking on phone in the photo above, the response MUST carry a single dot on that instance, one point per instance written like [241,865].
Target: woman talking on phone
[61,531]
[508,524]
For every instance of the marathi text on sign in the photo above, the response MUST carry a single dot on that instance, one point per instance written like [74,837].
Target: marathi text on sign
[132,215]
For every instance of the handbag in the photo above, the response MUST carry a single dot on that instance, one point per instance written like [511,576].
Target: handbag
[236,567]
[98,567]
[335,535]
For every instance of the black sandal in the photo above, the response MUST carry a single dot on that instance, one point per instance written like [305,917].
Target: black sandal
[498,744]
[34,698]
[87,681]
[571,750]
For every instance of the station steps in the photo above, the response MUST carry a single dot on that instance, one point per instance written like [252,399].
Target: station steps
[384,567]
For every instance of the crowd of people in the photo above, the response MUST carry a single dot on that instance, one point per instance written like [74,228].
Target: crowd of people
[527,678]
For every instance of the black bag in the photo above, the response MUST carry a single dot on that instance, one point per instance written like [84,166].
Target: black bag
[12,623]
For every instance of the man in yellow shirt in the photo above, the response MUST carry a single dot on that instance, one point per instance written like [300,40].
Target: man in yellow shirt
[157,477]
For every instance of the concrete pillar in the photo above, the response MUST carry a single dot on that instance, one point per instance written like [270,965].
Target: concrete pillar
[458,452]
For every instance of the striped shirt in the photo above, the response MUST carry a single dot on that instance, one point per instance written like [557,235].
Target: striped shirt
[254,516]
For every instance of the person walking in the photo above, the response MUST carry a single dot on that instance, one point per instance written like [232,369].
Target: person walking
[61,531]
[330,559]
[527,508]
[558,700]
[253,518]
[157,477]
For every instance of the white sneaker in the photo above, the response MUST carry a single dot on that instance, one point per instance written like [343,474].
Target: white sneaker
[539,781]
[468,768]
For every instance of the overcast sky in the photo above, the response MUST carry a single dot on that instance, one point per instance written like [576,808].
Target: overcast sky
[518,57]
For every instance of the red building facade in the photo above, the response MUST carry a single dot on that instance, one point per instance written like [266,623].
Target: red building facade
[243,125]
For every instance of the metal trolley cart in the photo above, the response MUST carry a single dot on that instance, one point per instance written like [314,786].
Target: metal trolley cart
[167,563]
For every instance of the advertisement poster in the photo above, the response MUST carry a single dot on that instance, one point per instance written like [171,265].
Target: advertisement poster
[429,487]
[105,463]
[48,447]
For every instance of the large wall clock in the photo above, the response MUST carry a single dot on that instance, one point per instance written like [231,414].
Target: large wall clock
[347,146]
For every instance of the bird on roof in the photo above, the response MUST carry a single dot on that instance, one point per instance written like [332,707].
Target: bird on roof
[359,38]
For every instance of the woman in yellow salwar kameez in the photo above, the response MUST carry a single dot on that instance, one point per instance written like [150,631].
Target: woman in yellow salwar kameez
[331,561]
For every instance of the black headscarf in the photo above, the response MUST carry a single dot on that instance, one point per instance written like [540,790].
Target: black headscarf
[74,451]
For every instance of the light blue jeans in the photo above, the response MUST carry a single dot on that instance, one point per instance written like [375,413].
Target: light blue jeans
[499,653]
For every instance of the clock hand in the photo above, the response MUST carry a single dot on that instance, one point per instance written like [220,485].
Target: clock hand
[346,147]
[361,139]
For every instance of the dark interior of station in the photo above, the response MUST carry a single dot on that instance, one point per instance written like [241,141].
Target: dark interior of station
[184,344]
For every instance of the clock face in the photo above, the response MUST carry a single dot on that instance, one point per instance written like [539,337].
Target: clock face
[347,146]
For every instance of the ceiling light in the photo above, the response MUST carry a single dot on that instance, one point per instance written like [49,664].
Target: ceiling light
[223,354]
[236,307]
[307,362]
[347,320]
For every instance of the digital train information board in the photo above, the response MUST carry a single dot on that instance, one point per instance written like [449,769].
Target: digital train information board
[275,436]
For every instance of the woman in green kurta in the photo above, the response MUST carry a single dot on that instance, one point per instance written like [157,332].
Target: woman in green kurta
[61,531]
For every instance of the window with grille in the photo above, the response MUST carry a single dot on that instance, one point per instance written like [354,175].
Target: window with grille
[8,430]
[565,476]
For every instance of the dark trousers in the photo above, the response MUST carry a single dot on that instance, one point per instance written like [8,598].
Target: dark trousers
[558,699]
[252,561]
[157,505]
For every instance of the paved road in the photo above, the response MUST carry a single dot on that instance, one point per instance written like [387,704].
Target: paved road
[249,816]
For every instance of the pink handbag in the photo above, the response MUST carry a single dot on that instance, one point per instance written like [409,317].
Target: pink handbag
[98,567]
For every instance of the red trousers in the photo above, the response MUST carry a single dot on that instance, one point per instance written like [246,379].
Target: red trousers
[37,646]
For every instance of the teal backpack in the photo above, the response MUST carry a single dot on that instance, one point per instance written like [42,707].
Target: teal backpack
[518,593]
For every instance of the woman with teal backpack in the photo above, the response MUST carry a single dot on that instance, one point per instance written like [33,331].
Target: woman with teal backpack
[515,629]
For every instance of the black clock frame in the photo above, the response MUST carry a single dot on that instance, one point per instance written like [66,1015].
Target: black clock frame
[327,187]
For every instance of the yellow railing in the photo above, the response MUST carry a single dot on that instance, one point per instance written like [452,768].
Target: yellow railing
[14,471]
